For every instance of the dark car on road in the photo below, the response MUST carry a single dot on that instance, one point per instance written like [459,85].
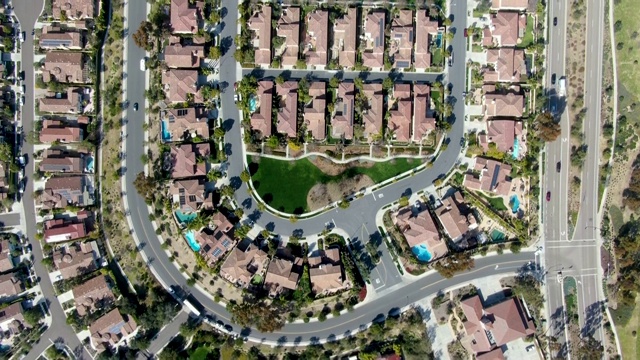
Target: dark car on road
[555,21]
[548,195]
[553,79]
[135,107]
[558,166]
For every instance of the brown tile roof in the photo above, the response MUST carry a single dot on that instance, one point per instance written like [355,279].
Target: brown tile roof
[6,263]
[240,266]
[423,117]
[344,38]
[419,229]
[185,15]
[287,108]
[180,82]
[220,222]
[57,230]
[61,191]
[372,118]
[9,285]
[400,120]
[261,118]
[191,195]
[402,37]
[92,294]
[75,260]
[502,133]
[73,9]
[326,273]
[494,177]
[55,130]
[64,67]
[495,354]
[108,330]
[509,4]
[53,37]
[507,28]
[214,244]
[316,42]
[509,65]
[314,112]
[189,160]
[374,27]
[186,123]
[67,104]
[12,319]
[453,221]
[342,120]
[62,165]
[260,25]
[178,56]
[282,274]
[504,105]
[497,325]
[425,28]
[289,28]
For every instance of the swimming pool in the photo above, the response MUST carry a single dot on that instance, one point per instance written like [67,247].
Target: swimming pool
[496,235]
[166,135]
[516,149]
[191,239]
[422,253]
[90,164]
[515,203]
[253,104]
[439,40]
[185,218]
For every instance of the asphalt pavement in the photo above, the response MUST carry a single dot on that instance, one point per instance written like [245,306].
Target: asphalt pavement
[9,219]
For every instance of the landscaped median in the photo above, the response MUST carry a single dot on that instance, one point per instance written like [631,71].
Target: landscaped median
[308,184]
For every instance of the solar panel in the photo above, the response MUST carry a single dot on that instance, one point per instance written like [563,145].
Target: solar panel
[411,36]
[182,112]
[182,201]
[217,252]
[192,198]
[55,43]
[494,179]
[381,33]
[403,64]
[226,243]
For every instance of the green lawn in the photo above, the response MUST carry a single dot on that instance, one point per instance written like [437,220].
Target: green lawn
[257,279]
[616,217]
[626,319]
[496,202]
[570,296]
[528,34]
[436,96]
[285,184]
[437,57]
[199,354]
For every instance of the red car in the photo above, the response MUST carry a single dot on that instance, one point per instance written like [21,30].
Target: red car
[465,32]
[548,195]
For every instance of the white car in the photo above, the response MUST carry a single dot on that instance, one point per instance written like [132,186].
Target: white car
[143,66]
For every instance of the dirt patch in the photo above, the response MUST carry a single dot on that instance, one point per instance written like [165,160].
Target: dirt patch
[323,194]
[331,168]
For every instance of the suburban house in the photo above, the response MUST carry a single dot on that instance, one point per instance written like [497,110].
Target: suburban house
[183,56]
[509,105]
[424,121]
[287,108]
[181,85]
[490,176]
[282,274]
[402,37]
[344,39]
[12,320]
[58,131]
[190,195]
[73,9]
[342,120]
[56,103]
[76,259]
[186,16]
[374,27]
[420,231]
[326,274]
[492,327]
[214,244]
[54,37]
[92,294]
[10,285]
[507,29]
[426,30]
[315,45]
[184,124]
[288,29]
[241,265]
[508,65]
[400,108]
[6,263]
[63,229]
[62,161]
[314,111]
[453,219]
[61,191]
[261,117]
[509,4]
[260,26]
[111,329]
[505,134]
[373,114]
[65,67]
[189,160]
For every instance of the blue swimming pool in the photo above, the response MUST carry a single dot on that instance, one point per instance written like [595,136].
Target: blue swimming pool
[515,203]
[439,40]
[422,253]
[191,239]
[253,104]
[166,135]
[516,149]
[90,164]
[185,218]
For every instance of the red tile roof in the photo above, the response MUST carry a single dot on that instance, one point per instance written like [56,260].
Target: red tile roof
[73,9]
[178,83]
[494,177]
[314,112]
[423,117]
[55,130]
[189,160]
[316,42]
[261,118]
[179,56]
[185,15]
[260,25]
[425,29]
[373,115]
[344,38]
[374,27]
[57,230]
[287,108]
[289,28]
[342,121]
[400,120]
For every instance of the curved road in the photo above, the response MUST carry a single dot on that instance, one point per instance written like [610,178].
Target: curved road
[357,220]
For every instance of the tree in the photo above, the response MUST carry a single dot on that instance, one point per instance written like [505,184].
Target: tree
[33,316]
[589,349]
[387,83]
[404,201]
[218,133]
[145,186]
[214,175]
[279,80]
[547,127]
[293,219]
[455,263]
[344,204]
[265,317]
[334,82]
[215,52]
[142,37]
[227,191]
[245,176]
[6,153]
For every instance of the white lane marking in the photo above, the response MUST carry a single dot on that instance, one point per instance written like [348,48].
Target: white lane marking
[374,196]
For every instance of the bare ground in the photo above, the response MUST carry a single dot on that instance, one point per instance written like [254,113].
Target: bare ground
[323,194]
[330,168]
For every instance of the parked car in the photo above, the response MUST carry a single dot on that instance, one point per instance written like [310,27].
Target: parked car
[21,185]
[135,107]
[548,195]
[558,166]
[555,21]
[553,79]
[143,66]
[466,33]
